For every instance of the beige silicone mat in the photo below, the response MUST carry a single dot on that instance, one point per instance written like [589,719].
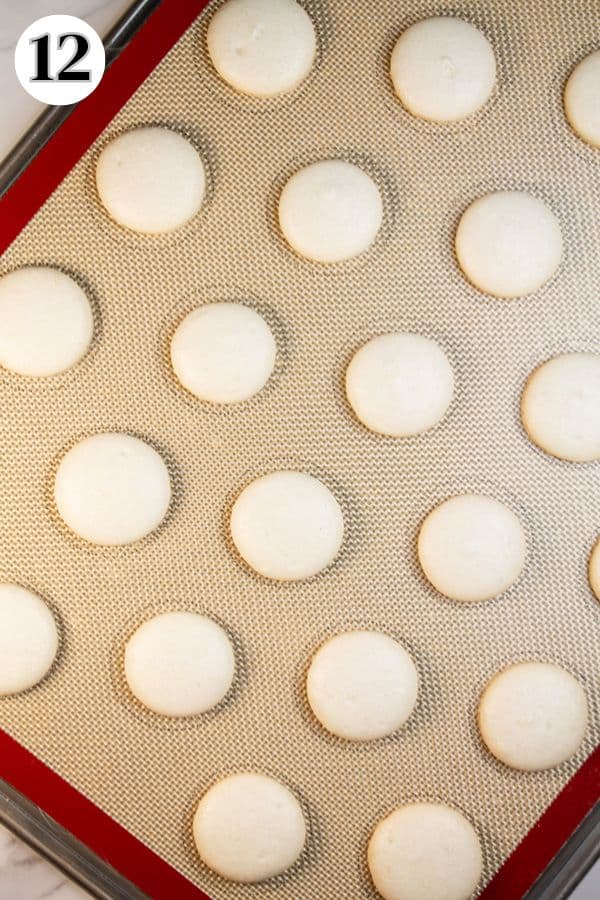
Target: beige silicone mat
[149,773]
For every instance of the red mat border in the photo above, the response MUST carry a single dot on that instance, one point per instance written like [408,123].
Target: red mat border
[18,766]
[90,825]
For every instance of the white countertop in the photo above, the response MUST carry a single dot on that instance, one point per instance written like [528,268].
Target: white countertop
[23,874]
[26,876]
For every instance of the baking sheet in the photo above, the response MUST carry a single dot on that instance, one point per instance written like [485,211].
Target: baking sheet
[149,773]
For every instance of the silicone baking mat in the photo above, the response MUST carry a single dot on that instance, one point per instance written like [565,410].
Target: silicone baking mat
[144,772]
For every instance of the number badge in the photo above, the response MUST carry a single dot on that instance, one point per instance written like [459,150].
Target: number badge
[59,60]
